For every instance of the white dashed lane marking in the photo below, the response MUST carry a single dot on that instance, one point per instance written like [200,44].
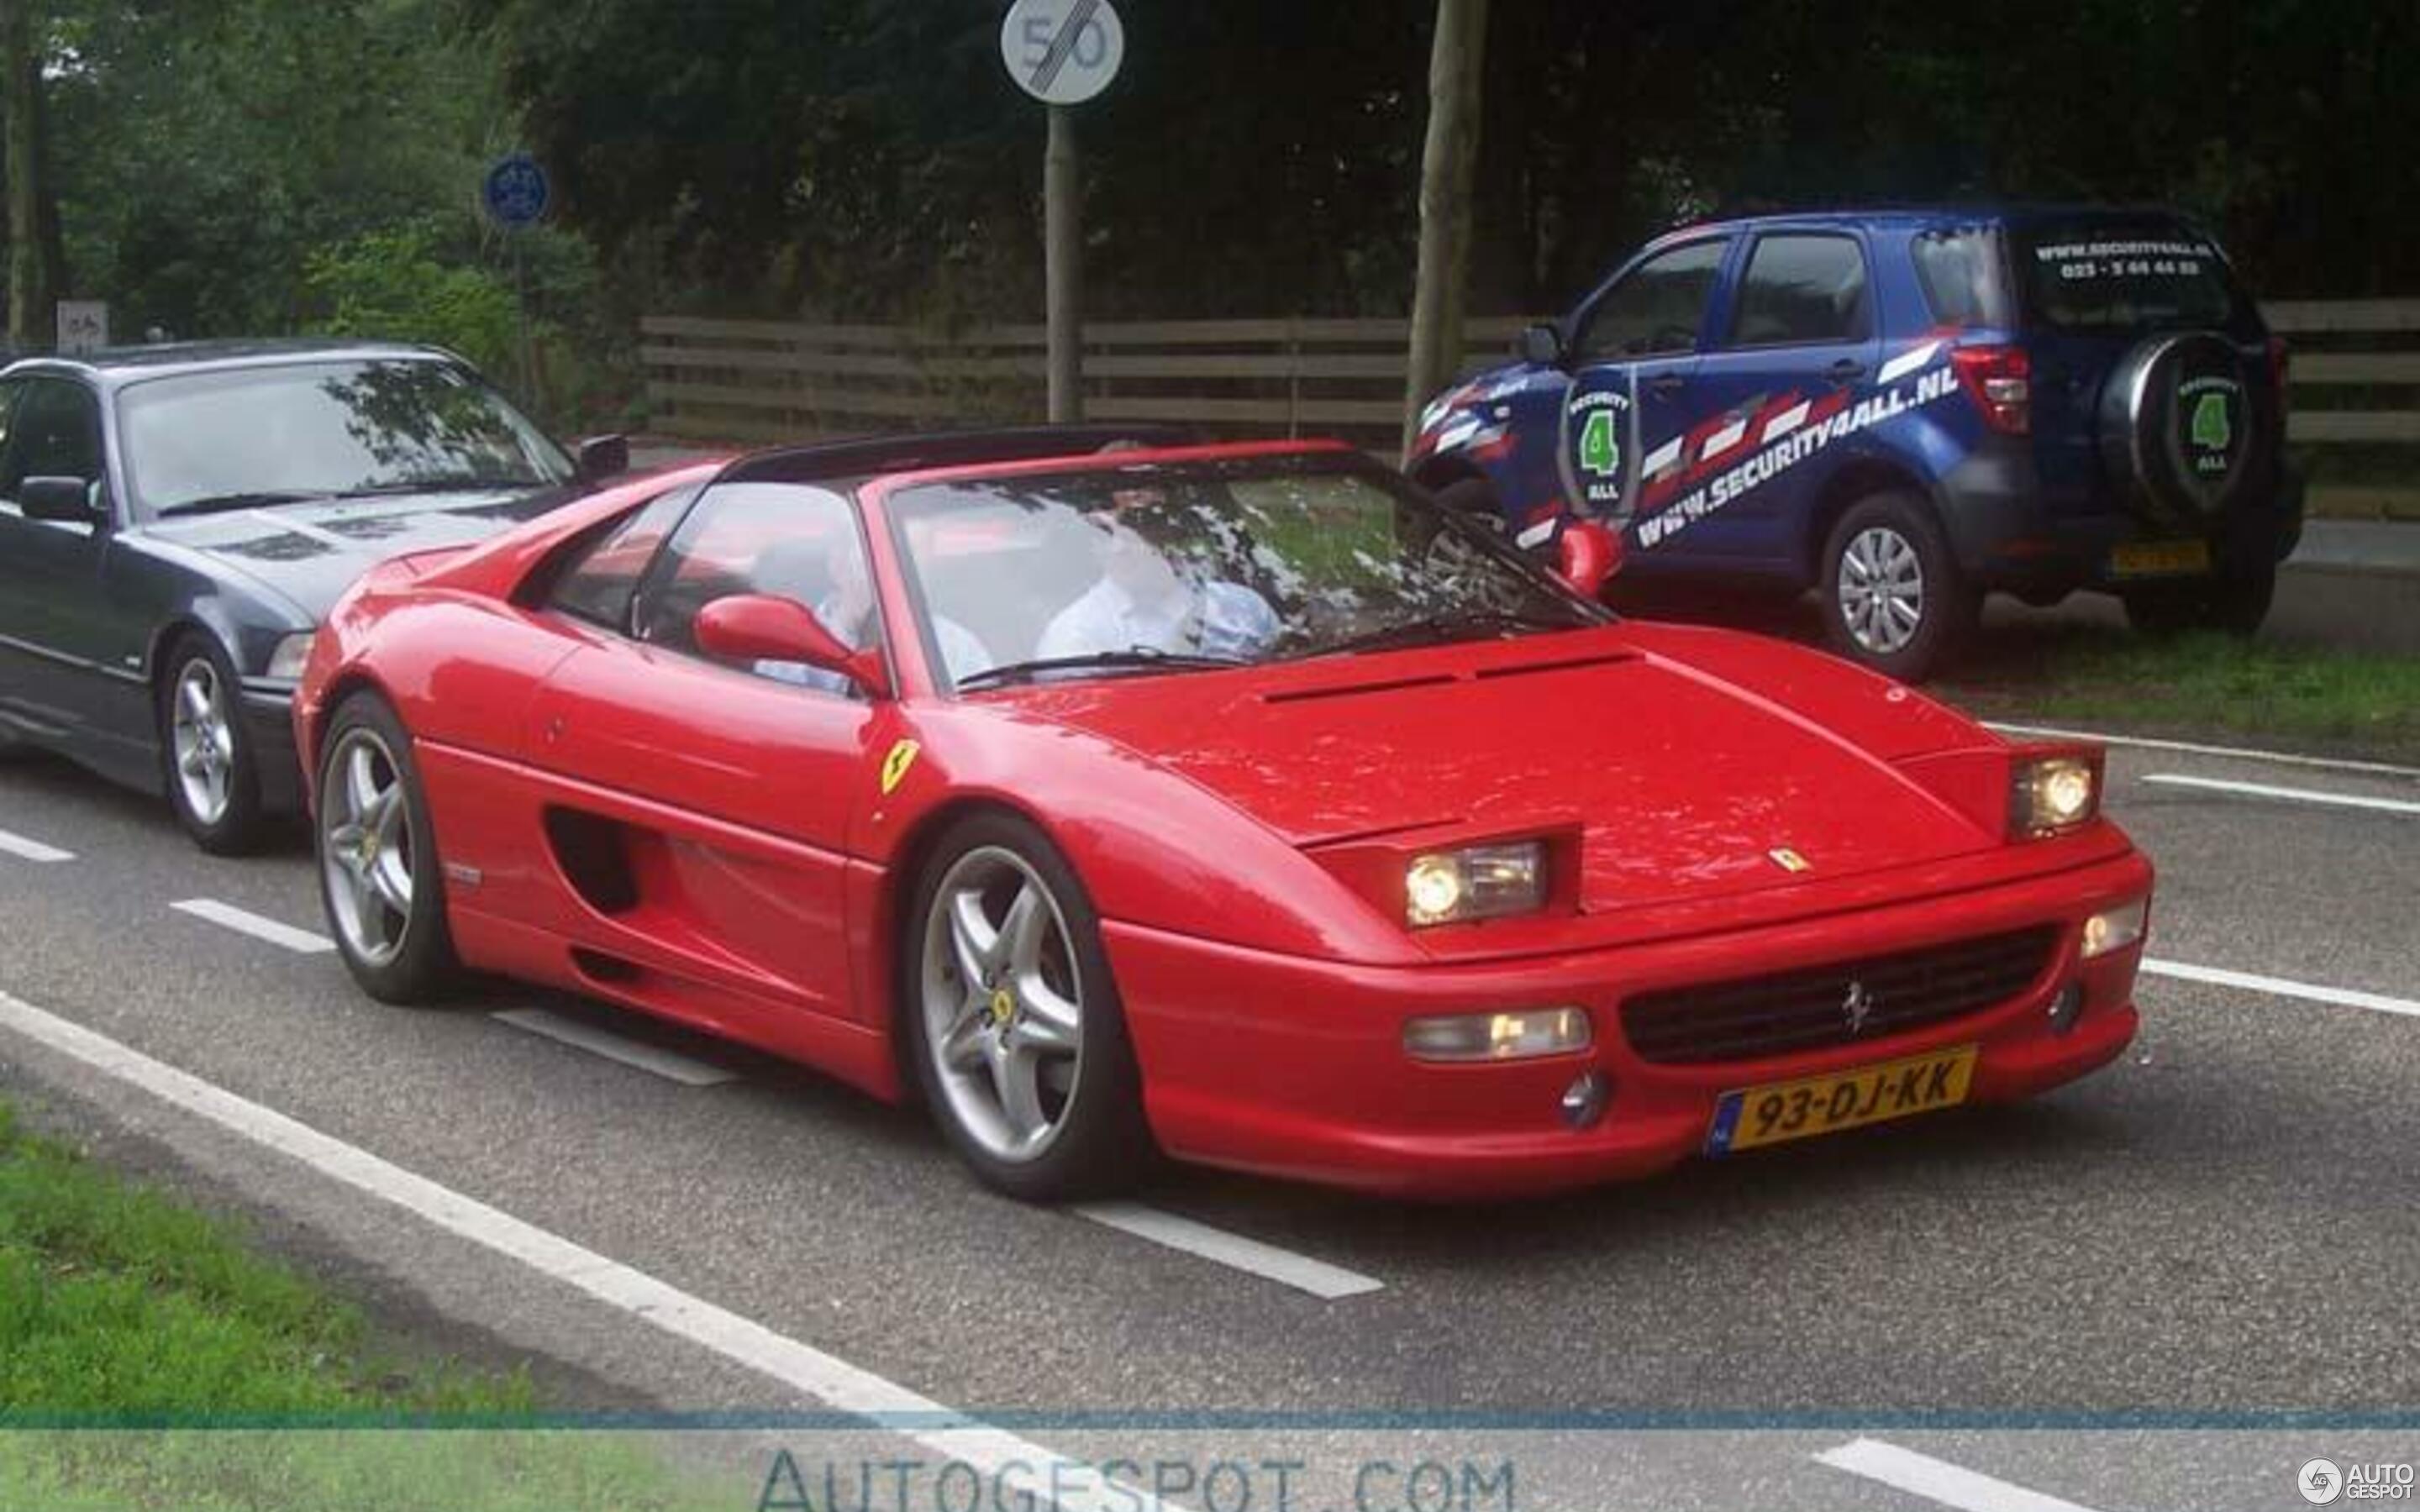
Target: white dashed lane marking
[1322,1280]
[647,1302]
[227,915]
[31,850]
[1938,1480]
[2280,987]
[670,1065]
[2264,790]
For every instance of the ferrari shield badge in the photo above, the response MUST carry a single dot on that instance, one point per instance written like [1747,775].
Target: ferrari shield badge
[894,766]
[1789,860]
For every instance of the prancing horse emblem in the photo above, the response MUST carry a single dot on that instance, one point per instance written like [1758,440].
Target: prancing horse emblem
[1857,1007]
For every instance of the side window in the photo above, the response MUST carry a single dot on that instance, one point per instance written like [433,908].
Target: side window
[599,581]
[12,397]
[55,432]
[1799,291]
[788,539]
[1657,308]
[1959,273]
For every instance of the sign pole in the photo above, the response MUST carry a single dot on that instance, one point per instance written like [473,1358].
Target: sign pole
[1063,272]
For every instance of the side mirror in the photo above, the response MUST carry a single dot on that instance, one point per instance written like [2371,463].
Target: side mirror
[1541,344]
[751,627]
[68,500]
[599,457]
[1587,555]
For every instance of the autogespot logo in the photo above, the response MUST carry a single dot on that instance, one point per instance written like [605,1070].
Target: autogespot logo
[2319,1482]
[2323,1482]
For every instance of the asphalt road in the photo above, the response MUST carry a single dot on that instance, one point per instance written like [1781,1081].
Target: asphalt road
[2219,1229]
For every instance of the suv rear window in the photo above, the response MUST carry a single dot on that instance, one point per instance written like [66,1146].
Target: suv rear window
[2106,276]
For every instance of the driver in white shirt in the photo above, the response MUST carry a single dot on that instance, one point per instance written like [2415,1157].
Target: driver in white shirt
[1144,602]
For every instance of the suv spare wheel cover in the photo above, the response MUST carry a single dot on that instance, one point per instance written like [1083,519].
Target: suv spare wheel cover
[2177,420]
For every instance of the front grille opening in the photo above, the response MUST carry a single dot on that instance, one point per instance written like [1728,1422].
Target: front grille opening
[1811,1008]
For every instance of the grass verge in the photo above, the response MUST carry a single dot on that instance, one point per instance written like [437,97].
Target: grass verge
[129,1324]
[2304,697]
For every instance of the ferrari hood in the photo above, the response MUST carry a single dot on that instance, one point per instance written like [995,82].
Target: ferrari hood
[1681,785]
[312,552]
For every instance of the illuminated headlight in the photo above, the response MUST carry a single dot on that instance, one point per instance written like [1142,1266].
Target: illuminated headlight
[1541,1032]
[2053,794]
[1479,882]
[2114,929]
[286,662]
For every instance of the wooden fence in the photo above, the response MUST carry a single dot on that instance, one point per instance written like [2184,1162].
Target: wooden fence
[2356,382]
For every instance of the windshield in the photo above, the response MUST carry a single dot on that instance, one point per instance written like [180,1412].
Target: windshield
[1166,568]
[2125,276]
[309,429]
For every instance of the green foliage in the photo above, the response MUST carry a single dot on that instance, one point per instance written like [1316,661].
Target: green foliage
[393,285]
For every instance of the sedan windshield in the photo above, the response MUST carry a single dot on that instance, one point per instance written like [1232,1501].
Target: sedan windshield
[1169,568]
[255,436]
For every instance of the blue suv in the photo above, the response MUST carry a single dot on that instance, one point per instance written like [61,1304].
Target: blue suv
[1903,409]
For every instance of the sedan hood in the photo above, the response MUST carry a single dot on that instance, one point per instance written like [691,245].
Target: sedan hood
[1682,785]
[312,552]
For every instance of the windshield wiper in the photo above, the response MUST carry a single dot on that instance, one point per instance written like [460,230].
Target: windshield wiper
[461,484]
[1451,625]
[217,502]
[1133,658]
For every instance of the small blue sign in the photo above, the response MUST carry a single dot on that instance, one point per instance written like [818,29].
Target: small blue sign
[515,191]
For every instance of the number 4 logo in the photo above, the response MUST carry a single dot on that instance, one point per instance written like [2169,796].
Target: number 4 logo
[1599,444]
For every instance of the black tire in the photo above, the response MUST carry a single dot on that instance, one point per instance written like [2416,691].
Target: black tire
[1101,1142]
[2234,602]
[421,966]
[238,826]
[1942,604]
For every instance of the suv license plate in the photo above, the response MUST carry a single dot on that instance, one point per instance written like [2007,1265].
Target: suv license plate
[2159,558]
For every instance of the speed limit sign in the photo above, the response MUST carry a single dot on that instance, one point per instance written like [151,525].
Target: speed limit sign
[1063,51]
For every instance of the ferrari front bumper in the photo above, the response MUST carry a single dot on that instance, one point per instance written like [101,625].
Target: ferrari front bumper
[1295,1067]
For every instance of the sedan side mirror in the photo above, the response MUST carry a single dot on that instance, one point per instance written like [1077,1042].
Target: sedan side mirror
[753,627]
[1541,344]
[67,499]
[599,457]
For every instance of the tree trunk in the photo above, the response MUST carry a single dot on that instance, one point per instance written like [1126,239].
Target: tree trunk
[31,313]
[1456,55]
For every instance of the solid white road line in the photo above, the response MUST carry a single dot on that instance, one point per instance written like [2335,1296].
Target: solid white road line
[671,1066]
[2279,986]
[1938,1480]
[31,850]
[227,915]
[2262,789]
[646,1300]
[2334,764]
[1301,1272]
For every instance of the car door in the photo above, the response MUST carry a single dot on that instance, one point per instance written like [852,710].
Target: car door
[1634,355]
[704,808]
[1798,334]
[55,622]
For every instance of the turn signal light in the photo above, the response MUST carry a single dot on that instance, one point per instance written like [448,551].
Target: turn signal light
[1543,1031]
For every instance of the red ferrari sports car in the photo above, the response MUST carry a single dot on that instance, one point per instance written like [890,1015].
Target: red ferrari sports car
[1225,801]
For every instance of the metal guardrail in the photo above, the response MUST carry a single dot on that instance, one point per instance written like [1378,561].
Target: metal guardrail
[2355,378]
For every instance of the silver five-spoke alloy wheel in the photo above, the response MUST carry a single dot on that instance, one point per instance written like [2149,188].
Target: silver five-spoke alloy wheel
[365,847]
[204,741]
[1881,589]
[1002,1003]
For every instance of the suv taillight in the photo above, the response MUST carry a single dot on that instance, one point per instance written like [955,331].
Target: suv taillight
[2280,361]
[2000,381]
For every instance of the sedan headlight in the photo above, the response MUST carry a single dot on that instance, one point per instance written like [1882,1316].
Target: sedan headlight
[2114,929]
[1477,882]
[1544,1031]
[286,662]
[2053,795]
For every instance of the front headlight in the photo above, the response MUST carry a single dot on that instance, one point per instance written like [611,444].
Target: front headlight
[1476,881]
[2053,795]
[2114,929]
[286,662]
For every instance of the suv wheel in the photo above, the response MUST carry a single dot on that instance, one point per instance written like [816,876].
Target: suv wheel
[1893,597]
[2234,601]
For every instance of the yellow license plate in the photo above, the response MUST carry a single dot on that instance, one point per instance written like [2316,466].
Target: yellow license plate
[2159,558]
[1781,1111]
